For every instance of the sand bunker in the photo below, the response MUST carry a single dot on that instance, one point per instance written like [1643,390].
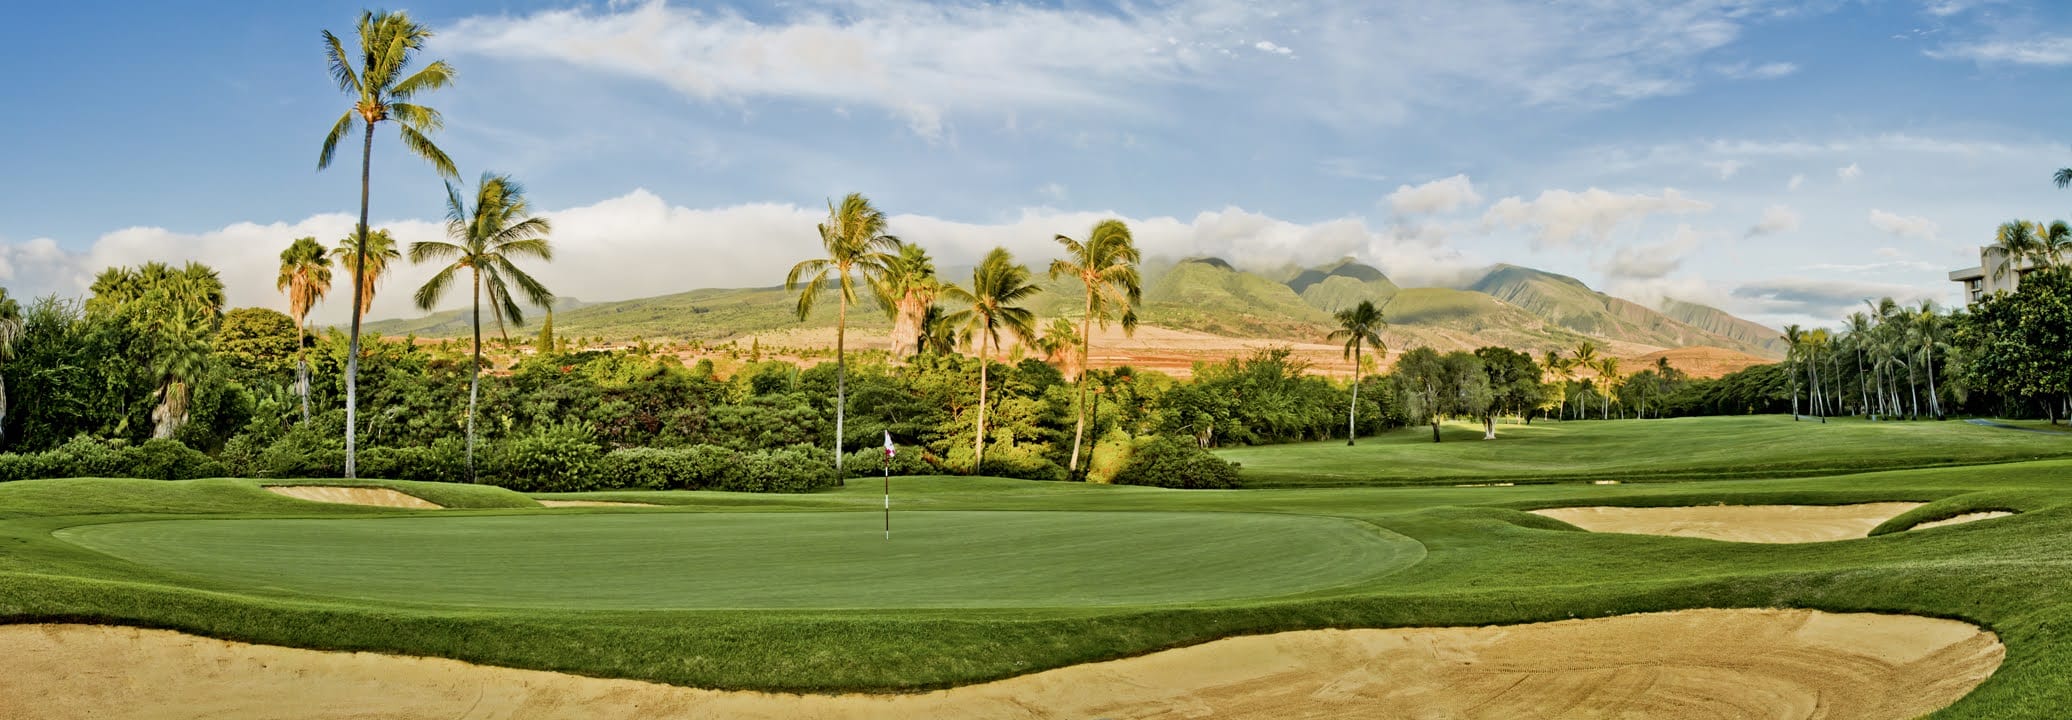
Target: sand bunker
[593,503]
[1961,519]
[1690,664]
[1737,523]
[380,497]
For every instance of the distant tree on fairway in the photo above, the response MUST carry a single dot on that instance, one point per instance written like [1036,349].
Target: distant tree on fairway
[487,235]
[998,285]
[1106,265]
[1585,357]
[1358,326]
[906,290]
[373,75]
[1794,339]
[381,251]
[1435,386]
[305,277]
[858,249]
[10,331]
[1607,379]
[1563,372]
[1514,385]
[2014,343]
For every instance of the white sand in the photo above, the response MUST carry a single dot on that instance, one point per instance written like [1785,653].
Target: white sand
[1690,664]
[380,497]
[1961,519]
[593,503]
[1737,523]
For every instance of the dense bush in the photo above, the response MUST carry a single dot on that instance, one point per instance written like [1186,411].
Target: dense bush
[445,460]
[87,457]
[171,460]
[564,457]
[302,452]
[1171,463]
[800,468]
[698,467]
[27,466]
[871,461]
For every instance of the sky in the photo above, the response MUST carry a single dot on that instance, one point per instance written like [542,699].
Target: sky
[1781,160]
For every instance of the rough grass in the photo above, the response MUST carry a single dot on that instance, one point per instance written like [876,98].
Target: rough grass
[1639,451]
[1485,561]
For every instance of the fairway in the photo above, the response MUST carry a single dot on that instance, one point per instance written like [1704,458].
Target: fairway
[767,560]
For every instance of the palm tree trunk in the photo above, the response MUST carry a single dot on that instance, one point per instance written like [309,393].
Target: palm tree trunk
[1913,391]
[302,366]
[1934,403]
[978,443]
[1352,413]
[841,382]
[1086,341]
[352,349]
[475,377]
[3,410]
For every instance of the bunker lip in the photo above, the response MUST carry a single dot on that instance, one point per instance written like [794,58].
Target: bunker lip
[1743,523]
[592,503]
[1728,663]
[1963,518]
[374,496]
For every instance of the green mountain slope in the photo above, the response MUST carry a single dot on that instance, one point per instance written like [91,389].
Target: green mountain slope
[1718,322]
[1341,285]
[706,315]
[1568,303]
[1208,295]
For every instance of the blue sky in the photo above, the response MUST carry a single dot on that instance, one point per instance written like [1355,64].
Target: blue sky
[1782,160]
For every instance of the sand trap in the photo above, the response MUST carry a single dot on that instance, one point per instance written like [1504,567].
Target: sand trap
[1691,664]
[1737,523]
[380,497]
[1961,519]
[593,503]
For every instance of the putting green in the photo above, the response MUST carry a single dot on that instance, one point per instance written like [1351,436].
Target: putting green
[767,560]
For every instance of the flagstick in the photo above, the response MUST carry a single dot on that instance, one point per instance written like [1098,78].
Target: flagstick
[888,498]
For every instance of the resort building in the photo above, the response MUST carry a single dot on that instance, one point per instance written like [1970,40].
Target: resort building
[1989,277]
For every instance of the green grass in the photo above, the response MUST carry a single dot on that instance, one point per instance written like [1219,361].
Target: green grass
[1639,451]
[193,567]
[648,560]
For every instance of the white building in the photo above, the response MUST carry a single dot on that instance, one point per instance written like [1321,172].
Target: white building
[1981,281]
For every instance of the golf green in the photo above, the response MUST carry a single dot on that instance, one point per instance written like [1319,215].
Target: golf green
[766,560]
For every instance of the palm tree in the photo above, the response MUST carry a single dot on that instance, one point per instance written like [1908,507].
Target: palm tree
[905,291]
[1058,338]
[176,311]
[305,277]
[1859,335]
[1794,348]
[1608,376]
[998,284]
[1563,373]
[1359,325]
[381,250]
[1106,264]
[10,331]
[1585,357]
[380,91]
[2023,242]
[486,238]
[857,249]
[938,336]
[1928,328]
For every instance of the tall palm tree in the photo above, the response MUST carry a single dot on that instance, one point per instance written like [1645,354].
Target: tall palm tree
[998,285]
[1106,264]
[2020,242]
[1059,338]
[373,77]
[10,331]
[905,291]
[1794,349]
[938,336]
[1858,329]
[1562,372]
[858,249]
[1928,330]
[485,238]
[373,264]
[1359,326]
[1608,376]
[306,277]
[1585,357]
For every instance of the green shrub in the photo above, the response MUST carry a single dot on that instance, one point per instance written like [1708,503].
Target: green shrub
[302,452]
[240,455]
[1166,462]
[800,468]
[27,466]
[564,457]
[698,467]
[86,456]
[871,461]
[160,459]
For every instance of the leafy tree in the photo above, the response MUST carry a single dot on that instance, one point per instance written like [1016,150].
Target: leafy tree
[305,277]
[858,249]
[998,285]
[176,312]
[374,78]
[1436,386]
[1058,338]
[10,331]
[545,343]
[2014,342]
[1514,385]
[906,291]
[258,343]
[1359,326]
[487,236]
[1106,265]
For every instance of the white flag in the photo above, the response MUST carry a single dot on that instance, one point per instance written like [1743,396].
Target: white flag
[888,444]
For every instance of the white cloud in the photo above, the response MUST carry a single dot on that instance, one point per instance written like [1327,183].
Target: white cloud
[1825,299]
[1749,71]
[928,63]
[1649,262]
[1905,226]
[1797,179]
[1444,195]
[1849,172]
[1561,217]
[2047,51]
[1776,219]
[1727,169]
[1053,192]
[638,245]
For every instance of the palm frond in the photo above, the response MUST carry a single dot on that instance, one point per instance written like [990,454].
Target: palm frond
[427,296]
[420,117]
[423,147]
[431,250]
[816,267]
[341,65]
[338,131]
[518,238]
[535,293]
[431,77]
